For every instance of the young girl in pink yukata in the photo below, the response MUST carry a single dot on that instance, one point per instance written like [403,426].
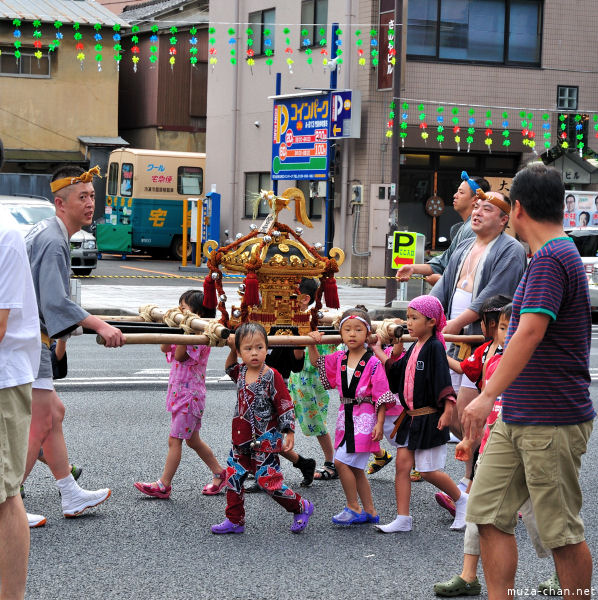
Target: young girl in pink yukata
[361,382]
[186,400]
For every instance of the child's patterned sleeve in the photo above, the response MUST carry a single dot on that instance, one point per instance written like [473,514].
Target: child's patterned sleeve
[233,372]
[197,353]
[170,354]
[381,393]
[283,404]
[326,366]
[472,366]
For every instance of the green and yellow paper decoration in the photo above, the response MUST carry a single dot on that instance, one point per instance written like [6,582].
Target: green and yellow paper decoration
[456,128]
[403,125]
[212,47]
[37,40]
[488,130]
[440,125]
[506,142]
[135,47]
[79,45]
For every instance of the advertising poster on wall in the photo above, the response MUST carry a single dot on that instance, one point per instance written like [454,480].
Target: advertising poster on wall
[581,209]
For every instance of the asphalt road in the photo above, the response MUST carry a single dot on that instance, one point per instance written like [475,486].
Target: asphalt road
[137,547]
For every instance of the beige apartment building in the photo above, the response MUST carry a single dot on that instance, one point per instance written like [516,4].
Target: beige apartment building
[520,71]
[59,105]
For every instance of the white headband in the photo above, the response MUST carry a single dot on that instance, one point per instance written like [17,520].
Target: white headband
[355,317]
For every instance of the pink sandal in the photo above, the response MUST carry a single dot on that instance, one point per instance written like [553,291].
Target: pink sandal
[213,489]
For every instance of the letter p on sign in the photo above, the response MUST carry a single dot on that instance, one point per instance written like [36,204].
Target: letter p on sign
[403,249]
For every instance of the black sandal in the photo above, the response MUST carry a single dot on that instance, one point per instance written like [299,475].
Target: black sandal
[327,472]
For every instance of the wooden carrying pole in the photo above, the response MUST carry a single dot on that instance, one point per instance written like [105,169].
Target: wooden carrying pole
[196,324]
[273,340]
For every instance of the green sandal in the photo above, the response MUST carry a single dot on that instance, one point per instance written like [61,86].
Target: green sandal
[550,587]
[379,462]
[457,586]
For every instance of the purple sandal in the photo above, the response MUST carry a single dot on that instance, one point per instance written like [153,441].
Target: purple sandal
[300,520]
[228,526]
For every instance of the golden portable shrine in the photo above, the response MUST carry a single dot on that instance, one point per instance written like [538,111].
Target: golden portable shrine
[274,259]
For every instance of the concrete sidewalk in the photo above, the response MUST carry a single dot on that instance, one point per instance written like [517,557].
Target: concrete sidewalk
[125,299]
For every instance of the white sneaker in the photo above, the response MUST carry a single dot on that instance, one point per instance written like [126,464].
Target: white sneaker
[35,520]
[401,523]
[77,500]
[460,510]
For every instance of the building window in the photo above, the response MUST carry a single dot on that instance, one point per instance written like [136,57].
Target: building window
[254,184]
[28,65]
[113,179]
[566,97]
[260,21]
[486,31]
[314,17]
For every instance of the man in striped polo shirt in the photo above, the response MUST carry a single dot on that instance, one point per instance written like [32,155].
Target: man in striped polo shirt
[535,448]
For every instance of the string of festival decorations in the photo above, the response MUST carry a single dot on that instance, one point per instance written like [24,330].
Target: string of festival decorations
[323,43]
[571,132]
[37,43]
[374,47]
[78,36]
[193,46]
[173,42]
[306,43]
[250,51]
[359,47]
[135,47]
[212,47]
[117,45]
[456,128]
[17,43]
[338,51]
[55,43]
[153,57]
[288,50]
[440,125]
[232,42]
[98,45]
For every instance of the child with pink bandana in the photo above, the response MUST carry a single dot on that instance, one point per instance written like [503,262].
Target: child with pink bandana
[422,381]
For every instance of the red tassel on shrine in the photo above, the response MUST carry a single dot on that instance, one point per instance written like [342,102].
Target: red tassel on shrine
[252,290]
[209,292]
[331,293]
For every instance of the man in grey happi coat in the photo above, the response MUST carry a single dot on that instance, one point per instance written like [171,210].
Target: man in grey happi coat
[48,248]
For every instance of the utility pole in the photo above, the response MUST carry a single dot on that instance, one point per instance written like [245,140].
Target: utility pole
[395,152]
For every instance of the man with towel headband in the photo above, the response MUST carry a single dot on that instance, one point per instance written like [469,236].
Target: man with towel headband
[463,201]
[48,248]
[489,264]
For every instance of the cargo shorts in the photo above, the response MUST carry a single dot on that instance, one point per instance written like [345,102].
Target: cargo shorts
[539,462]
[15,419]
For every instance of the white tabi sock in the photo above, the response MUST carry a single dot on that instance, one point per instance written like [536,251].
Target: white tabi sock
[67,484]
[401,523]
